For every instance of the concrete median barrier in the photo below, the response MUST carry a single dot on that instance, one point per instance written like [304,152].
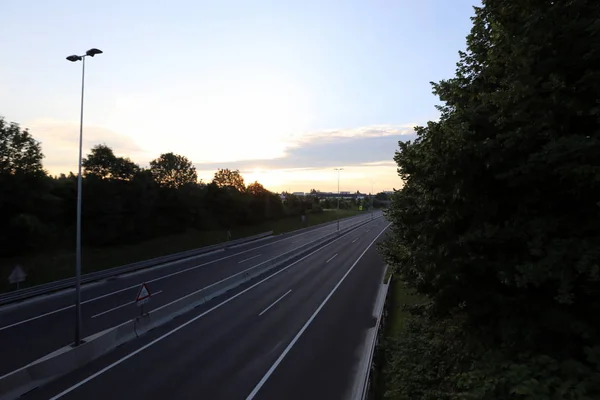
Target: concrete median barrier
[63,360]
[69,358]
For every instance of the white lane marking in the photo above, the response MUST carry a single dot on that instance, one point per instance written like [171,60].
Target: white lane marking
[166,335]
[334,256]
[121,306]
[354,240]
[64,308]
[137,285]
[369,230]
[275,302]
[36,317]
[248,259]
[310,320]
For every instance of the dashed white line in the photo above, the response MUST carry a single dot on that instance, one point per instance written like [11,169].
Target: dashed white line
[194,319]
[36,317]
[121,306]
[275,302]
[334,256]
[137,285]
[354,240]
[310,320]
[248,259]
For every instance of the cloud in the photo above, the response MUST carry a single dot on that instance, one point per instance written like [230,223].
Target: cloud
[60,143]
[365,153]
[372,131]
[366,146]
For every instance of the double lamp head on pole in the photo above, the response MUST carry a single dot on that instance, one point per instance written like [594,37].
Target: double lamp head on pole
[78,331]
[90,52]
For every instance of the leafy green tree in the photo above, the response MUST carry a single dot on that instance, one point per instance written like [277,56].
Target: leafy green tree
[125,169]
[314,195]
[26,207]
[173,171]
[19,151]
[498,218]
[256,189]
[228,178]
[102,163]
[382,196]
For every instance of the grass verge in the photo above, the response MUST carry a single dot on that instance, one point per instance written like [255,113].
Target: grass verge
[394,320]
[48,267]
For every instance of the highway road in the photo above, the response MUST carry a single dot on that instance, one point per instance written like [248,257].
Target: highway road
[293,333]
[34,328]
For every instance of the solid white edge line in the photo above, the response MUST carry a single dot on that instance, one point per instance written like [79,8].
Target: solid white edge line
[176,329]
[362,371]
[121,306]
[275,302]
[248,259]
[162,277]
[334,256]
[310,320]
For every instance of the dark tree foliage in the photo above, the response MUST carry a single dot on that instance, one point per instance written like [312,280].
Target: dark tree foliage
[102,163]
[122,203]
[173,171]
[231,179]
[20,153]
[25,205]
[499,216]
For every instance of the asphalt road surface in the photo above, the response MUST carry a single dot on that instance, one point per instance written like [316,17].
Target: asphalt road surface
[293,333]
[34,328]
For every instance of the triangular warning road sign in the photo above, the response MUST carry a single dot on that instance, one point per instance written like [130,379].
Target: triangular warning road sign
[17,275]
[144,293]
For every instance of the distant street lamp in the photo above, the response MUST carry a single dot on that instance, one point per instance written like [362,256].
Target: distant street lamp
[74,58]
[372,200]
[338,198]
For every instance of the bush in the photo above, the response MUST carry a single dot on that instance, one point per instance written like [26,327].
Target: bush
[316,209]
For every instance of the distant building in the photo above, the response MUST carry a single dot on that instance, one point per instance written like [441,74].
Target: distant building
[299,194]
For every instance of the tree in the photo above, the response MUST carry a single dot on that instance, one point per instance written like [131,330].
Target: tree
[314,194]
[102,163]
[498,219]
[256,189]
[25,205]
[125,169]
[382,196]
[228,178]
[172,170]
[19,151]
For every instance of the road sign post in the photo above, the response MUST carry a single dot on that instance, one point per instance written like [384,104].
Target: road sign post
[143,297]
[17,276]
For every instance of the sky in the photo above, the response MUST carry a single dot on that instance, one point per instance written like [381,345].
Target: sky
[285,91]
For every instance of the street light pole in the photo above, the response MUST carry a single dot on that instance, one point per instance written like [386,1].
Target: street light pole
[338,198]
[73,58]
[372,200]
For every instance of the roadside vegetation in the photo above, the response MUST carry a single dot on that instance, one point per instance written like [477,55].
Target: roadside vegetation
[48,267]
[497,226]
[130,213]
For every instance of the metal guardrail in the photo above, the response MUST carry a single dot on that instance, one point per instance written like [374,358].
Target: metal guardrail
[364,395]
[11,297]
[46,288]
